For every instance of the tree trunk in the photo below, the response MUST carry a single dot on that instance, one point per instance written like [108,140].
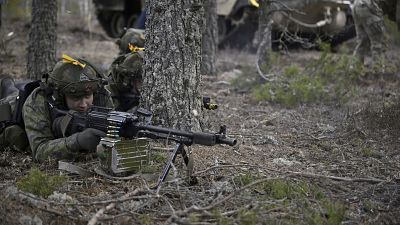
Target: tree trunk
[210,38]
[171,88]
[42,38]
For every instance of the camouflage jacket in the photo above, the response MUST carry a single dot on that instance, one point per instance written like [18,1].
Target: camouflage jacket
[123,101]
[37,120]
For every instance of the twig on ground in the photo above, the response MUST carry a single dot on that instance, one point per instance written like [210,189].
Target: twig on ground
[348,179]
[100,213]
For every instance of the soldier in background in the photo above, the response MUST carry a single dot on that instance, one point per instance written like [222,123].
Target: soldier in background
[369,23]
[126,81]
[131,38]
[125,73]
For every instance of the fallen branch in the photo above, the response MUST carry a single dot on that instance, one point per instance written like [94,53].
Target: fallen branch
[347,179]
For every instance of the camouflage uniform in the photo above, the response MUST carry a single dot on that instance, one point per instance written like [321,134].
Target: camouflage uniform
[123,70]
[368,19]
[11,134]
[38,125]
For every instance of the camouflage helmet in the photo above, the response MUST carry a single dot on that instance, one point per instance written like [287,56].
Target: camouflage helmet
[126,68]
[134,37]
[73,78]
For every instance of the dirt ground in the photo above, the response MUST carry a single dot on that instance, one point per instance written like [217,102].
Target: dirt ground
[348,153]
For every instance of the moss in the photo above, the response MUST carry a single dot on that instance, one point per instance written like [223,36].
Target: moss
[244,179]
[38,183]
[248,217]
[370,152]
[280,189]
[220,219]
[335,212]
[145,219]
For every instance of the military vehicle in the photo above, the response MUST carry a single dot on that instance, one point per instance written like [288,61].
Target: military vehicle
[115,15]
[238,19]
[298,21]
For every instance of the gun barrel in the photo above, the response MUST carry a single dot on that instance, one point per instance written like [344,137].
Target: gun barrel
[200,138]
[227,141]
[165,130]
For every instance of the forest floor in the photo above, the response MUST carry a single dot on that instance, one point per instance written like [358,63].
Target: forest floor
[328,161]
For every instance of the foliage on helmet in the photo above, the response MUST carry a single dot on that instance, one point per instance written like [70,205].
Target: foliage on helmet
[133,37]
[126,68]
[73,78]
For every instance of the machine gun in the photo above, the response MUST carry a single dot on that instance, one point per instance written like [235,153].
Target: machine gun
[119,125]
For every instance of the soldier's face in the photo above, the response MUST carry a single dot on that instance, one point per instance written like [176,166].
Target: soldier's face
[80,104]
[136,85]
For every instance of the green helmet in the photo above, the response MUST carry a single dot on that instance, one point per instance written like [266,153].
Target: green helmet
[135,37]
[127,68]
[73,78]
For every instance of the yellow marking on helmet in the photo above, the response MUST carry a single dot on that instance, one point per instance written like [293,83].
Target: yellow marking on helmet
[71,60]
[134,48]
[254,3]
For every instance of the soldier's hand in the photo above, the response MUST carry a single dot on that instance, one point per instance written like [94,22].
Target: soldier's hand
[86,140]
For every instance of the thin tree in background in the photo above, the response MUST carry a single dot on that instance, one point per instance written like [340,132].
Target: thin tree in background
[172,78]
[0,13]
[210,38]
[42,38]
[262,38]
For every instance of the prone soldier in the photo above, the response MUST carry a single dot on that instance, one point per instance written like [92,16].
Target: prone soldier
[72,85]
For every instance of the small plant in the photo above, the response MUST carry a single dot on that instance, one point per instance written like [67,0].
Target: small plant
[194,218]
[145,219]
[332,213]
[221,219]
[335,212]
[244,179]
[38,183]
[248,217]
[370,152]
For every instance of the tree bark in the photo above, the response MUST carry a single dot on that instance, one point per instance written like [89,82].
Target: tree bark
[171,88]
[0,15]
[42,38]
[210,38]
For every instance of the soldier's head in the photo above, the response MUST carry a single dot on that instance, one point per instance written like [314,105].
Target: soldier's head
[132,37]
[73,84]
[126,72]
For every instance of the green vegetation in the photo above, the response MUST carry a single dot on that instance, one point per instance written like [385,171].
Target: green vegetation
[156,164]
[332,213]
[300,197]
[393,32]
[370,152]
[38,183]
[248,217]
[17,9]
[330,77]
[145,219]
